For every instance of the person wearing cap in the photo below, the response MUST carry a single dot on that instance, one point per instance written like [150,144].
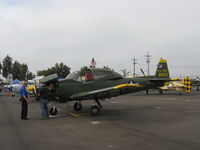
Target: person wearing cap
[88,75]
[24,100]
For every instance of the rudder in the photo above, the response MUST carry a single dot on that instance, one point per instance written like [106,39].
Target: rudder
[162,69]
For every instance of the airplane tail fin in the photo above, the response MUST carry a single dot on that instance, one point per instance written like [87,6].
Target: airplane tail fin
[187,83]
[162,69]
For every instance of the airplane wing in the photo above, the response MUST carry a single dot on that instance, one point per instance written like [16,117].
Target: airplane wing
[107,92]
[164,79]
[160,79]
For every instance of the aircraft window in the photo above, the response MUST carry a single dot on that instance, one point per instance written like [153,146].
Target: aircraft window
[74,76]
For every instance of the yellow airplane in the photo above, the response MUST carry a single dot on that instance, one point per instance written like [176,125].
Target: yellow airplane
[177,85]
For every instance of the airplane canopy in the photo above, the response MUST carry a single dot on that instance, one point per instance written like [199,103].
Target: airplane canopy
[95,74]
[16,81]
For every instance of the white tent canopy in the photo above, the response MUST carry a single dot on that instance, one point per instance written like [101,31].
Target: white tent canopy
[2,78]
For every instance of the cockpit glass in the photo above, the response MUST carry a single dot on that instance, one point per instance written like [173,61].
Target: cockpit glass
[96,73]
[74,75]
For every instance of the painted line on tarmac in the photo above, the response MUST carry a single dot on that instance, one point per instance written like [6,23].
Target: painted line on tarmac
[74,115]
[51,116]
[159,107]
[150,98]
[168,99]
[65,115]
[187,101]
[95,122]
[111,146]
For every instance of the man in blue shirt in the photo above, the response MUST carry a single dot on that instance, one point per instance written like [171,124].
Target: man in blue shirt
[24,100]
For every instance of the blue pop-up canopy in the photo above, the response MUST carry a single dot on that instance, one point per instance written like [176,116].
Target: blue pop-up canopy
[16,81]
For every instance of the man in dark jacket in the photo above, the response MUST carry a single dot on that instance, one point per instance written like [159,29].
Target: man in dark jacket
[43,96]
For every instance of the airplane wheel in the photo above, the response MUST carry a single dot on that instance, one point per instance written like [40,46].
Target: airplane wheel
[94,110]
[77,106]
[53,111]
[147,92]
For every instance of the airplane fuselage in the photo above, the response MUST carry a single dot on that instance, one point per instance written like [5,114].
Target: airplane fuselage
[67,87]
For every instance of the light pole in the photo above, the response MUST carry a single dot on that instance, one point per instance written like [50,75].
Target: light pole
[134,63]
[148,58]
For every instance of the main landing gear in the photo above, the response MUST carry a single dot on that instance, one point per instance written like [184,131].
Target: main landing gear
[146,92]
[93,110]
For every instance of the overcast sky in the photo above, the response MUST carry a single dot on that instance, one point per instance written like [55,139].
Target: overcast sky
[44,32]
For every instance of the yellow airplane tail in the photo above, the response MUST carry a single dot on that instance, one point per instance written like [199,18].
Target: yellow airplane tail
[162,69]
[187,83]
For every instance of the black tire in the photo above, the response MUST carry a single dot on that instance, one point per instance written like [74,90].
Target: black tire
[94,110]
[77,106]
[147,92]
[53,111]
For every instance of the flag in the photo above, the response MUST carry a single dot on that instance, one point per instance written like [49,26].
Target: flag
[26,75]
[93,63]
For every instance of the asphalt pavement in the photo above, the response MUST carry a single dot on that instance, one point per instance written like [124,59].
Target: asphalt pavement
[131,122]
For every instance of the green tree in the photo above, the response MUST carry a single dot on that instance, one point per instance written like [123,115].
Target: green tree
[0,67]
[47,72]
[61,69]
[30,76]
[125,72]
[16,70]
[40,72]
[83,70]
[23,71]
[7,66]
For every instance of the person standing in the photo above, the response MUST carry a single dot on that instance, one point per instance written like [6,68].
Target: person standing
[24,100]
[43,96]
[88,75]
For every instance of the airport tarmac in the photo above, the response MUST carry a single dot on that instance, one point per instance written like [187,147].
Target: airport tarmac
[130,122]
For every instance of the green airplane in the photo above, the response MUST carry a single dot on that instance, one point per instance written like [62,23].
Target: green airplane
[100,84]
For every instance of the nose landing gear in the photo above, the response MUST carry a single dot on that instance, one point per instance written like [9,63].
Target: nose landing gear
[78,106]
[53,111]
